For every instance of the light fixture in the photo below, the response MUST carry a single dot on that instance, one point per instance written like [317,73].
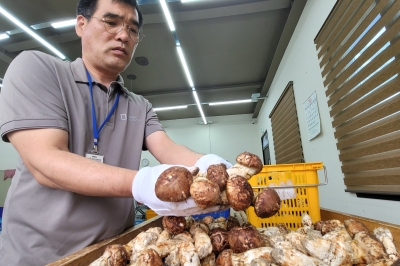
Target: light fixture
[199,106]
[4,36]
[185,67]
[65,23]
[170,108]
[30,32]
[167,15]
[186,1]
[231,102]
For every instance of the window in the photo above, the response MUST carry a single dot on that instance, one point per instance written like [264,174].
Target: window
[285,129]
[358,47]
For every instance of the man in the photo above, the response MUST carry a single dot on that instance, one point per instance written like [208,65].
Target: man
[79,159]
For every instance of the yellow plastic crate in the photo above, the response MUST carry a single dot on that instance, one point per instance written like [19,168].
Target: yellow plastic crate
[291,210]
[150,214]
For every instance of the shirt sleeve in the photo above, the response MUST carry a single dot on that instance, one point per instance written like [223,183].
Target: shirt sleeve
[31,96]
[152,123]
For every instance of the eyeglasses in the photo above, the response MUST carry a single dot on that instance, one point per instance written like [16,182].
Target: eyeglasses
[114,25]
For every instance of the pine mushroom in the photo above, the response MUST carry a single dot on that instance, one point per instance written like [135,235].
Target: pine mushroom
[204,192]
[248,164]
[244,238]
[173,224]
[219,239]
[173,185]
[239,193]
[217,174]
[267,203]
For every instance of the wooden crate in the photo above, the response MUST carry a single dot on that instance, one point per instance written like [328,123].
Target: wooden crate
[369,223]
[89,254]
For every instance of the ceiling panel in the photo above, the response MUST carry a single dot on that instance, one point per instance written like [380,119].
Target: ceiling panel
[230,46]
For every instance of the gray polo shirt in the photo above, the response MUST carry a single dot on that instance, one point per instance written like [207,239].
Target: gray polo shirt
[41,224]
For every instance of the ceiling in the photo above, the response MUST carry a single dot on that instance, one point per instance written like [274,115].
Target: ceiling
[232,47]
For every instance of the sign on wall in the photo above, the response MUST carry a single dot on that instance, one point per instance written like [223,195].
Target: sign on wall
[312,116]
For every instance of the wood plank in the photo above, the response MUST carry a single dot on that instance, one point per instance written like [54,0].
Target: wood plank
[89,254]
[371,224]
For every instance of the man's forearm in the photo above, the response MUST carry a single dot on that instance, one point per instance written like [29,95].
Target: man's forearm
[46,155]
[68,171]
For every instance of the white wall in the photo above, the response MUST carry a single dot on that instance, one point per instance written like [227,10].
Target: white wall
[227,136]
[300,64]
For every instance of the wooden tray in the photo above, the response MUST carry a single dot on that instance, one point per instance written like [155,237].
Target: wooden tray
[89,254]
[369,223]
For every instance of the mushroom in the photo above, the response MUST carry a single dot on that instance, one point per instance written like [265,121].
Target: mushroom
[204,192]
[202,241]
[208,219]
[220,222]
[267,203]
[219,239]
[148,257]
[217,174]
[228,258]
[318,225]
[174,224]
[353,227]
[248,164]
[239,193]
[244,238]
[115,255]
[232,222]
[173,185]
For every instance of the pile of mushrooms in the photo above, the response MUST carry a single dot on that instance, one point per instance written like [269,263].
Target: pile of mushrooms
[207,242]
[219,186]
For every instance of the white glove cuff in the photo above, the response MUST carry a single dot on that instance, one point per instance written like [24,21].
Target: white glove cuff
[138,183]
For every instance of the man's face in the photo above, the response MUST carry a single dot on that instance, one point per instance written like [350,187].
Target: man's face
[108,53]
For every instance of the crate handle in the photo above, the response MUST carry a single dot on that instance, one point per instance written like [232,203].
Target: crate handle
[297,186]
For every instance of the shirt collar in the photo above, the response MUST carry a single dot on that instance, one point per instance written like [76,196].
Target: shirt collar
[79,72]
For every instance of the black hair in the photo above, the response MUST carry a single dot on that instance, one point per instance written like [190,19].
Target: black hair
[87,8]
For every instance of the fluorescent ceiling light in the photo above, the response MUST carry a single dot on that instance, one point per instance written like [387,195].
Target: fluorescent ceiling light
[185,67]
[170,108]
[199,106]
[167,15]
[65,23]
[231,102]
[4,36]
[30,32]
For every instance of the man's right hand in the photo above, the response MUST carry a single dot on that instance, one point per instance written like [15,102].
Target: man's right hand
[143,190]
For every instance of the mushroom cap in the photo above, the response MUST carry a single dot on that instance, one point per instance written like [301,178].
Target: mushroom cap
[232,222]
[239,193]
[149,257]
[244,238]
[204,192]
[318,225]
[217,174]
[201,225]
[207,219]
[174,224]
[173,185]
[224,258]
[250,160]
[219,239]
[116,254]
[267,203]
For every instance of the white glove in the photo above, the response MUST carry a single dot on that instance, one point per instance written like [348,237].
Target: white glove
[205,161]
[143,190]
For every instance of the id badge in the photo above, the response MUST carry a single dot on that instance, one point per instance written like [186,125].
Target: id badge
[95,156]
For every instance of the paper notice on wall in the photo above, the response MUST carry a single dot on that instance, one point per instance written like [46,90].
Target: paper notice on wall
[312,116]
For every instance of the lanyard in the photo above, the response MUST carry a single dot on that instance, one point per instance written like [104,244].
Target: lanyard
[96,132]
